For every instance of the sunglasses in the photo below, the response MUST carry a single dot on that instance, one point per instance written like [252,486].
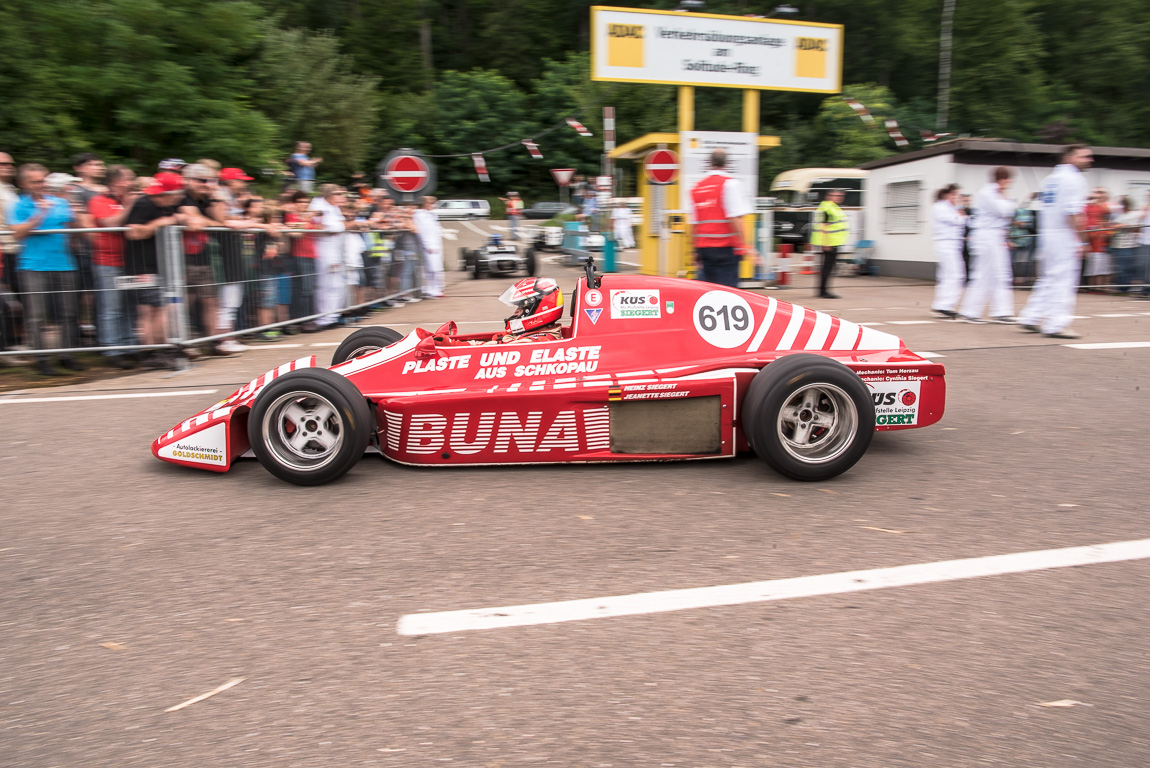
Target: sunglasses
[5,162]
[207,181]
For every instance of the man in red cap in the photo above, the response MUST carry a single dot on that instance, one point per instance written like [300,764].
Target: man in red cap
[158,208]
[234,189]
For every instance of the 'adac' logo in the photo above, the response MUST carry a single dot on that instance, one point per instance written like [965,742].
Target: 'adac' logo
[624,45]
[811,57]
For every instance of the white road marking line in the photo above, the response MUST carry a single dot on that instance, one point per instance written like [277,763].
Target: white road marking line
[475,229]
[1110,345]
[911,322]
[763,591]
[1118,315]
[272,346]
[450,234]
[125,396]
[871,325]
[326,344]
[930,354]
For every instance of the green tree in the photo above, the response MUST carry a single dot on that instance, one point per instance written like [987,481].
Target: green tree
[315,95]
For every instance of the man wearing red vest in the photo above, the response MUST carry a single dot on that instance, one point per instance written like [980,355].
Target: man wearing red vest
[718,204]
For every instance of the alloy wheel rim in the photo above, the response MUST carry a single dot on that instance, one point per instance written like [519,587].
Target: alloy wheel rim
[304,430]
[817,424]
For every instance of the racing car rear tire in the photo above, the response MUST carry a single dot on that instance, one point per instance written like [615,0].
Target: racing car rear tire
[529,258]
[310,426]
[363,342]
[808,417]
[477,268]
[464,260]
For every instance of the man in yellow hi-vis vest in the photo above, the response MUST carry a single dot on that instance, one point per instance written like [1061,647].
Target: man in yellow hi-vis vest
[829,233]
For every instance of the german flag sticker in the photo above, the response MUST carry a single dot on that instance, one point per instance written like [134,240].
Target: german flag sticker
[614,394]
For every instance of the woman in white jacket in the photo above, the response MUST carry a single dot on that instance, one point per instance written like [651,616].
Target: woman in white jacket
[431,240]
[991,279]
[948,228]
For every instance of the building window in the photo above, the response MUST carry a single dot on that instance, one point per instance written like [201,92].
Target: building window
[902,208]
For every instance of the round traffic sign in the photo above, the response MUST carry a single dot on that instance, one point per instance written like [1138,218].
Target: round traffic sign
[407,173]
[661,166]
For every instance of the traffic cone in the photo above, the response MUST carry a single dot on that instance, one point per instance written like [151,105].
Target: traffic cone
[808,263]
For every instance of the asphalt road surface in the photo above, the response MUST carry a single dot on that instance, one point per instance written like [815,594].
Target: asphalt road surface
[129,586]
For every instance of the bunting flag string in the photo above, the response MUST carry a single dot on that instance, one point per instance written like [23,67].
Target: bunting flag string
[891,125]
[533,149]
[895,133]
[480,167]
[928,136]
[862,111]
[578,126]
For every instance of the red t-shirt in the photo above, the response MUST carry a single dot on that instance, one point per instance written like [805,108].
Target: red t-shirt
[1097,216]
[108,247]
[302,247]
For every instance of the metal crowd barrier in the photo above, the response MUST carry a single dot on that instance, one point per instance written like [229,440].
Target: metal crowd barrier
[299,275]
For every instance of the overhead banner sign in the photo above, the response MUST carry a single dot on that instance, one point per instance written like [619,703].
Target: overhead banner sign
[742,150]
[639,46]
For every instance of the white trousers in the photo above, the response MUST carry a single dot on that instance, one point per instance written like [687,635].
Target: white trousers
[330,284]
[624,234]
[433,279]
[231,297]
[1051,305]
[991,277]
[950,275]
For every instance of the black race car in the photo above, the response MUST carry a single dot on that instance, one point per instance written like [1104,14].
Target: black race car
[496,257]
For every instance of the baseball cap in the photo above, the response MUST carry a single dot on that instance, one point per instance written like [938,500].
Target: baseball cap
[165,182]
[57,180]
[172,164]
[234,174]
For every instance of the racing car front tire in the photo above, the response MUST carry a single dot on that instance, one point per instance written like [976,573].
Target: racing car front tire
[477,268]
[464,260]
[808,417]
[309,426]
[363,342]
[529,258]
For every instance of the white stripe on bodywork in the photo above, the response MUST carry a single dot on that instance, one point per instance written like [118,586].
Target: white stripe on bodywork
[797,315]
[823,323]
[401,347]
[872,339]
[764,326]
[847,334]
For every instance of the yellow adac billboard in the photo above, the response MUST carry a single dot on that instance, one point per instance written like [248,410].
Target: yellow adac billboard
[641,46]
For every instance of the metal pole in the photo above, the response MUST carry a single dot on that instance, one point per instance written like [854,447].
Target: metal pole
[664,230]
[945,46]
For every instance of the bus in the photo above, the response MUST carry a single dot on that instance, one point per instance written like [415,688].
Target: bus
[797,194]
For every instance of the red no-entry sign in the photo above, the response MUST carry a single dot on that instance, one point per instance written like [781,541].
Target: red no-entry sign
[407,173]
[661,166]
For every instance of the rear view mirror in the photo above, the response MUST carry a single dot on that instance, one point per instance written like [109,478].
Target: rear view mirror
[427,349]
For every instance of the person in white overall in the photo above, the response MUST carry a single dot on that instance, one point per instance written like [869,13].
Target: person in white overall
[331,288]
[948,228]
[992,277]
[1061,245]
[431,239]
[621,223]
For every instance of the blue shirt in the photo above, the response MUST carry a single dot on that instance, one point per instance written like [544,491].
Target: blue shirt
[44,253]
[302,172]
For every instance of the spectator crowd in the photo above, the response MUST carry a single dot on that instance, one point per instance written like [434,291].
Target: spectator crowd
[291,263]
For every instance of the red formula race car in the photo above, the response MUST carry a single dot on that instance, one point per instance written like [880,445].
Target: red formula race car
[649,369]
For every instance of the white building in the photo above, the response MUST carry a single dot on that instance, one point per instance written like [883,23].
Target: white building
[900,189]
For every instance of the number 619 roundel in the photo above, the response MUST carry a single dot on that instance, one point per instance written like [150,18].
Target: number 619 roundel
[723,319]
